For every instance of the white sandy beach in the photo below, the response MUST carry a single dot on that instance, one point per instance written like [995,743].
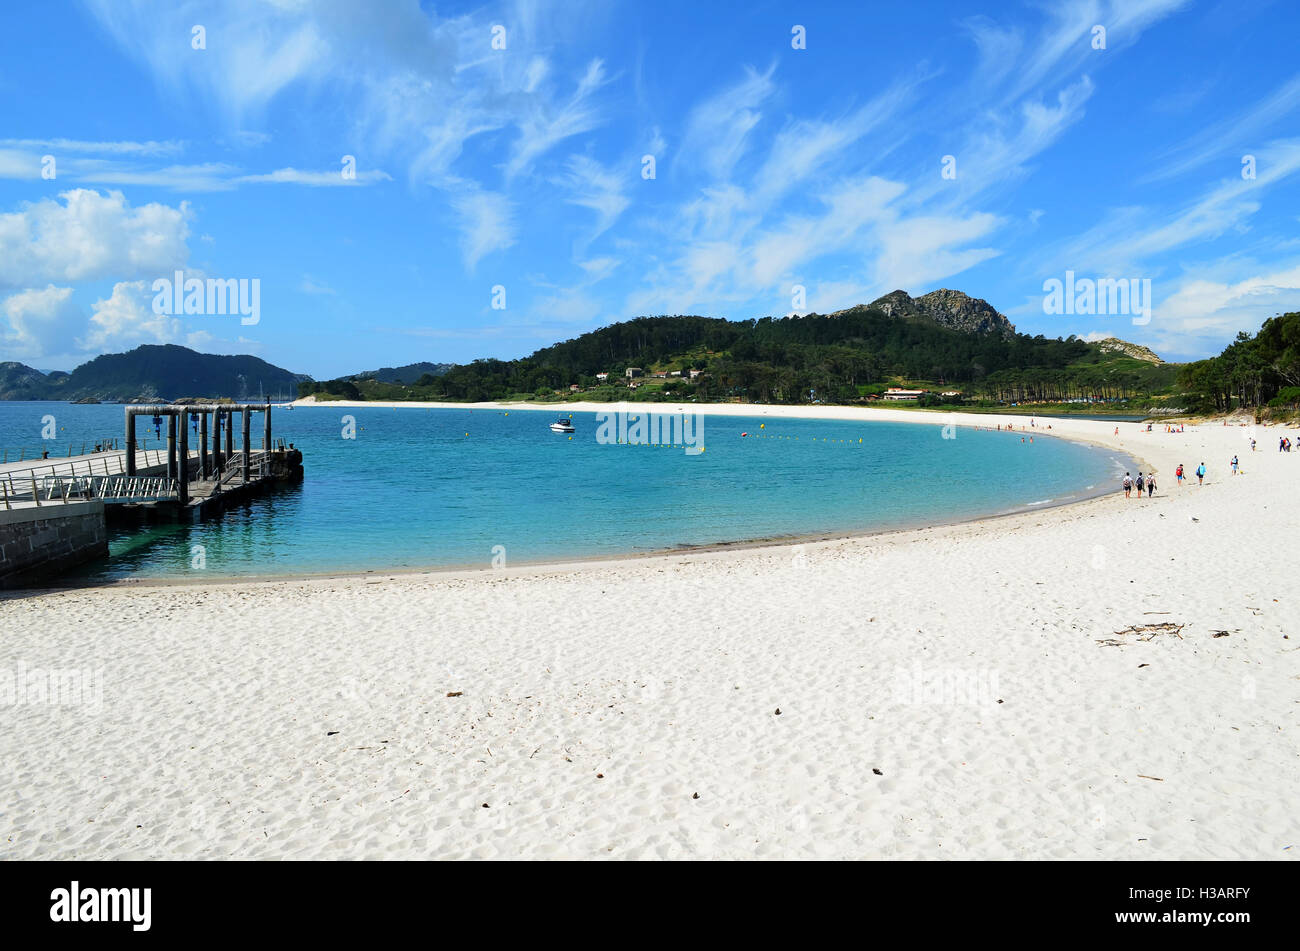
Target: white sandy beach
[943,693]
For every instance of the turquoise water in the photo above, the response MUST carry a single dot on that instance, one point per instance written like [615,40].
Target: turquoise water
[426,488]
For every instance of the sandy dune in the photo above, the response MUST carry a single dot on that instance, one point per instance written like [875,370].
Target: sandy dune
[944,693]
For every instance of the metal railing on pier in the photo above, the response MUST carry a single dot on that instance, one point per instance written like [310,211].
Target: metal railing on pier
[112,489]
[259,465]
[104,477]
[51,450]
[107,463]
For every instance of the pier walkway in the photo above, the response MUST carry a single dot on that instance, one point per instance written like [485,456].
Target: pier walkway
[173,473]
[53,511]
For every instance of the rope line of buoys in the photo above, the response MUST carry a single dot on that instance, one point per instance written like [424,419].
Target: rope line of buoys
[826,439]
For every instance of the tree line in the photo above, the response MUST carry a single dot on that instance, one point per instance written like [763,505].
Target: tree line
[790,359]
[1251,372]
[840,359]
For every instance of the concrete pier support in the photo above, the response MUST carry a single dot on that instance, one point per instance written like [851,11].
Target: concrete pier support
[38,542]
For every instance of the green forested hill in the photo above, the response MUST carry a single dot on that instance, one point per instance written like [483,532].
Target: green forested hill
[152,372]
[945,338]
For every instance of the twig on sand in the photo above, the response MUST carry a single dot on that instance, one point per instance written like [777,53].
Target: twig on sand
[1156,778]
[1144,632]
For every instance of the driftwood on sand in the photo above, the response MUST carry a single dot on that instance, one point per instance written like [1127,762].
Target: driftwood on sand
[1143,632]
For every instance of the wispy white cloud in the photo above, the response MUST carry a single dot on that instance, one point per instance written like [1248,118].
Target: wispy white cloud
[254,51]
[311,285]
[1129,239]
[1017,64]
[486,223]
[547,125]
[592,185]
[571,306]
[806,147]
[718,129]
[204,177]
[329,179]
[1230,138]
[55,146]
[200,177]
[597,269]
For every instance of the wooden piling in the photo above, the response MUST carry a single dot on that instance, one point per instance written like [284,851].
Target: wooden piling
[247,457]
[203,444]
[183,464]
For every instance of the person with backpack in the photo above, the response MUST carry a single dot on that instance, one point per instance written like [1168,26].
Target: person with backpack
[1140,485]
[1128,486]
[1178,473]
[1200,474]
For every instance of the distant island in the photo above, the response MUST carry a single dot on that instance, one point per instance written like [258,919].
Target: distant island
[152,372]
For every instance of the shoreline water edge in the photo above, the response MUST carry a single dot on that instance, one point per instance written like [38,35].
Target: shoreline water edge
[610,415]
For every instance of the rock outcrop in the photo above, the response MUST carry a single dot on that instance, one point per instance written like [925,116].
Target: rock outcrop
[948,308]
[20,382]
[1134,350]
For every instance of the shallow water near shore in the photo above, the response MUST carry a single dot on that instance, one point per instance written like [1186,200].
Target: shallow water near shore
[472,488]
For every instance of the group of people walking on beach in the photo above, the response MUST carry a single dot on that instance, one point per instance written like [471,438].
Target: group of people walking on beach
[1147,482]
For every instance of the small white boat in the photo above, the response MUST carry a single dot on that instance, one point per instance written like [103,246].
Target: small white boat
[562,425]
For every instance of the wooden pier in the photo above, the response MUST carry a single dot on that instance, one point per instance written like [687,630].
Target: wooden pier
[47,506]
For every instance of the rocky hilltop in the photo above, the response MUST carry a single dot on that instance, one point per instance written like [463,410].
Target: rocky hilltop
[947,308]
[20,382]
[1134,350]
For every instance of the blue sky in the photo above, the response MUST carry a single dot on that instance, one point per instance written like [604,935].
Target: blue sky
[524,167]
